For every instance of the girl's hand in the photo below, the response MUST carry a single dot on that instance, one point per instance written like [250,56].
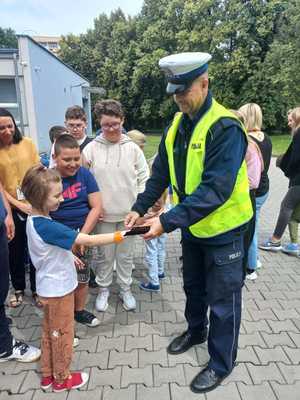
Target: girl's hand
[25,208]
[78,263]
[10,227]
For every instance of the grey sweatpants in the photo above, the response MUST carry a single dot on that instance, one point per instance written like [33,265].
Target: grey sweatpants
[122,253]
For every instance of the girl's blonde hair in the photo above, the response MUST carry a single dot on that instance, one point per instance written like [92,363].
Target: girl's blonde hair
[238,114]
[35,185]
[137,137]
[252,116]
[295,115]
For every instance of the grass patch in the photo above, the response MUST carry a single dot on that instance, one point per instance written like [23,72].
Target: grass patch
[151,145]
[280,144]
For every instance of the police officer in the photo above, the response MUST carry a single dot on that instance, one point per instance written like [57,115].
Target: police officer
[202,155]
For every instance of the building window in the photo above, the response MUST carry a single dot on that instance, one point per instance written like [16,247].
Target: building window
[8,98]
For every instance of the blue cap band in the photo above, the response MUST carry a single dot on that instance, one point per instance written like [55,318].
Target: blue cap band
[188,76]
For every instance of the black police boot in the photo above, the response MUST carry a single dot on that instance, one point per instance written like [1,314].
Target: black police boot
[185,341]
[206,381]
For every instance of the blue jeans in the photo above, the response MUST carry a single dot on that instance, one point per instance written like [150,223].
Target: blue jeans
[155,257]
[253,249]
[5,335]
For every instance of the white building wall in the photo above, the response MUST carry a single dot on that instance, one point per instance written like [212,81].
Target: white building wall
[50,87]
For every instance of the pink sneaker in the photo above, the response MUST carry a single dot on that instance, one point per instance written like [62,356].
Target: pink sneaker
[46,382]
[74,381]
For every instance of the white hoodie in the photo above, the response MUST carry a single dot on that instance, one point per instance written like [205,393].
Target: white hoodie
[121,172]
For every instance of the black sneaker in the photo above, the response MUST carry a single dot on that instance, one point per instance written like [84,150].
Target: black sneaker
[86,318]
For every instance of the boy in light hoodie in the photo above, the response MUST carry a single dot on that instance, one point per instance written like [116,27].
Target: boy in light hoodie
[121,170]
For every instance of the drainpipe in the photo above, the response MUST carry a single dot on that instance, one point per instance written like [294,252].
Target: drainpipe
[18,92]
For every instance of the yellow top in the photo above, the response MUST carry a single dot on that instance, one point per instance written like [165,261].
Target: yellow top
[15,161]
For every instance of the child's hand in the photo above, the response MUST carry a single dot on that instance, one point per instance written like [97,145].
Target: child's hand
[78,263]
[78,249]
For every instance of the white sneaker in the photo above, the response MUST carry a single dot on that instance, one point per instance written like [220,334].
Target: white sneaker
[129,302]
[23,352]
[102,300]
[252,276]
[259,264]
[75,341]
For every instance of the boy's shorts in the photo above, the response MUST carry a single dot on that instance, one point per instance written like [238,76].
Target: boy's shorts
[83,274]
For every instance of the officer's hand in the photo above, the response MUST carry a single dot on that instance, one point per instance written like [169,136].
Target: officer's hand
[156,228]
[131,219]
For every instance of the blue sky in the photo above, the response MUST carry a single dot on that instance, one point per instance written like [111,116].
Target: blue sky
[55,17]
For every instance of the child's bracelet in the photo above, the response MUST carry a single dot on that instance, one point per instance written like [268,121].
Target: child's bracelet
[118,237]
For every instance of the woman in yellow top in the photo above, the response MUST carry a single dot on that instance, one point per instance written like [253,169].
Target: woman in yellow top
[17,155]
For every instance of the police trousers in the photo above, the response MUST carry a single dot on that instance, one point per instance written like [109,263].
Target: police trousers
[213,278]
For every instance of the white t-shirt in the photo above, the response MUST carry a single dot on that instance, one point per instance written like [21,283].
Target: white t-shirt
[52,162]
[49,244]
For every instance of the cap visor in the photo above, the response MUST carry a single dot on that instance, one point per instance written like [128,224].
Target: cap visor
[172,88]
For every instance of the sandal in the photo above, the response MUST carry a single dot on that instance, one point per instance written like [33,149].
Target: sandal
[16,299]
[36,300]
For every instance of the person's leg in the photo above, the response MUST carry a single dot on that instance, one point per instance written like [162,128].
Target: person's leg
[61,334]
[224,282]
[46,348]
[124,257]
[104,269]
[80,296]
[151,257]
[224,279]
[248,235]
[253,249]
[293,224]
[17,254]
[194,277]
[6,340]
[32,277]
[290,201]
[161,255]
[224,322]
[194,285]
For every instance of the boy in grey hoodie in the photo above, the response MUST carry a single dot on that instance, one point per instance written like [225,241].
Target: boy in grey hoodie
[121,171]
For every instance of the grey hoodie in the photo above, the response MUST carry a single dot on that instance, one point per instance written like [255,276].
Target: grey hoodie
[121,172]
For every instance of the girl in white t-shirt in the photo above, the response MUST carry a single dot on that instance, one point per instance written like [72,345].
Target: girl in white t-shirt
[50,244]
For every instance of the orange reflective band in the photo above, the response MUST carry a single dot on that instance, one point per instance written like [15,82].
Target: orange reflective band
[118,237]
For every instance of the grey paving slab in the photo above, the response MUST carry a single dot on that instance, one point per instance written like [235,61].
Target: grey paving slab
[12,383]
[133,342]
[169,374]
[183,392]
[147,393]
[153,357]
[254,392]
[95,394]
[224,392]
[286,392]
[137,375]
[119,394]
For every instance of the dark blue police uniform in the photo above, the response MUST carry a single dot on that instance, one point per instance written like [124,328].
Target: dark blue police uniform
[212,268]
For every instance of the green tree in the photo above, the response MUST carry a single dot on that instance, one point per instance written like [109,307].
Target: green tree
[8,38]
[254,44]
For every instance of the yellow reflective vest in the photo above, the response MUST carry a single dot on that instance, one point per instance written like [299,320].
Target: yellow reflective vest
[237,210]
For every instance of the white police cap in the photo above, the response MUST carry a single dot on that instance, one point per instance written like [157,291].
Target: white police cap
[182,69]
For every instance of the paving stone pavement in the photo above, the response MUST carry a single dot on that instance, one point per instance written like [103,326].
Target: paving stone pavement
[126,355]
